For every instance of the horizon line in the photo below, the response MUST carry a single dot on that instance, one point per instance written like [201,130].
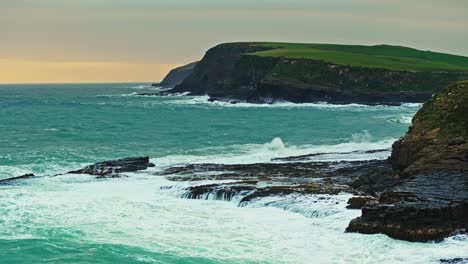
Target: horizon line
[105,82]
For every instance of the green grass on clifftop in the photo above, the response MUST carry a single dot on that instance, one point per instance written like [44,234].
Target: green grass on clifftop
[448,110]
[380,56]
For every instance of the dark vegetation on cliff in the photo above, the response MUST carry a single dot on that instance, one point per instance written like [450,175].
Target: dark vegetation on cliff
[268,72]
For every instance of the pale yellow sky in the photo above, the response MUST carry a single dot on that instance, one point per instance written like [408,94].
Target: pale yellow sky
[140,40]
[16,71]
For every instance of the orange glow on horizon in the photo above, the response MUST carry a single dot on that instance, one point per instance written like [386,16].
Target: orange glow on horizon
[13,71]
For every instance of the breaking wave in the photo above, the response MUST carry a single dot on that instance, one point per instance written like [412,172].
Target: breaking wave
[204,100]
[359,147]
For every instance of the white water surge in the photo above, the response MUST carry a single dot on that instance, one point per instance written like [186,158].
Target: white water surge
[141,211]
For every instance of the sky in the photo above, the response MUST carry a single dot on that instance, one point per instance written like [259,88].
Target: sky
[141,40]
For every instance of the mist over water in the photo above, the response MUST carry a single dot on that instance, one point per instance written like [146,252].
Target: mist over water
[48,129]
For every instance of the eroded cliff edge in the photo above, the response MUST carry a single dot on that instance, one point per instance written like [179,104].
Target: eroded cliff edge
[177,75]
[430,201]
[233,72]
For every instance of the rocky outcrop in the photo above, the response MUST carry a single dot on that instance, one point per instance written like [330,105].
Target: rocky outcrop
[177,75]
[430,201]
[358,202]
[230,72]
[437,140]
[425,207]
[113,167]
[259,180]
[13,180]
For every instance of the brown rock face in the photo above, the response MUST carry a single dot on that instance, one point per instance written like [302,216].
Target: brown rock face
[438,137]
[416,153]
[430,201]
[358,202]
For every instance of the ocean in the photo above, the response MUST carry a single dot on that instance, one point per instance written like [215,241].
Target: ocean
[49,129]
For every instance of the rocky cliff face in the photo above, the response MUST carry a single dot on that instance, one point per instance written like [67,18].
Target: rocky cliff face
[230,71]
[214,73]
[430,201]
[177,75]
[437,140]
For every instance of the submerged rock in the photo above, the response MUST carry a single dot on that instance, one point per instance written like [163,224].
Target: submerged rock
[113,167]
[15,179]
[455,261]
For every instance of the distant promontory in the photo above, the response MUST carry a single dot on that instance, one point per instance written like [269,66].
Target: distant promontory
[258,72]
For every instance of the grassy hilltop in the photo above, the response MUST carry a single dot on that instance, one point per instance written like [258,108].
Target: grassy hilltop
[379,56]
[446,111]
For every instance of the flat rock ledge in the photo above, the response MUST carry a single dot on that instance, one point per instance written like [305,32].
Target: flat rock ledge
[251,181]
[428,206]
[113,167]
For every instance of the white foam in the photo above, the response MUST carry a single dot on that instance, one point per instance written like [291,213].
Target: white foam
[139,213]
[143,86]
[204,100]
[413,105]
[254,153]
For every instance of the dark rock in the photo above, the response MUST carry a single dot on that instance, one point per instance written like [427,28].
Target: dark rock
[346,172]
[455,261]
[435,141]
[177,75]
[113,167]
[16,179]
[274,179]
[221,191]
[357,202]
[307,157]
[248,190]
[309,188]
[456,141]
[425,207]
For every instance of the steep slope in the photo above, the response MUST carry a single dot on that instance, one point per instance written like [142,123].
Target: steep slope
[265,72]
[437,138]
[177,75]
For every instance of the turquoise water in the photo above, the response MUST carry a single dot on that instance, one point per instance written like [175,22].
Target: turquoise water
[48,129]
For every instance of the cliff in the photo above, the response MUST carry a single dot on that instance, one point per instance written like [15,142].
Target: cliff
[437,138]
[430,201]
[177,75]
[266,72]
